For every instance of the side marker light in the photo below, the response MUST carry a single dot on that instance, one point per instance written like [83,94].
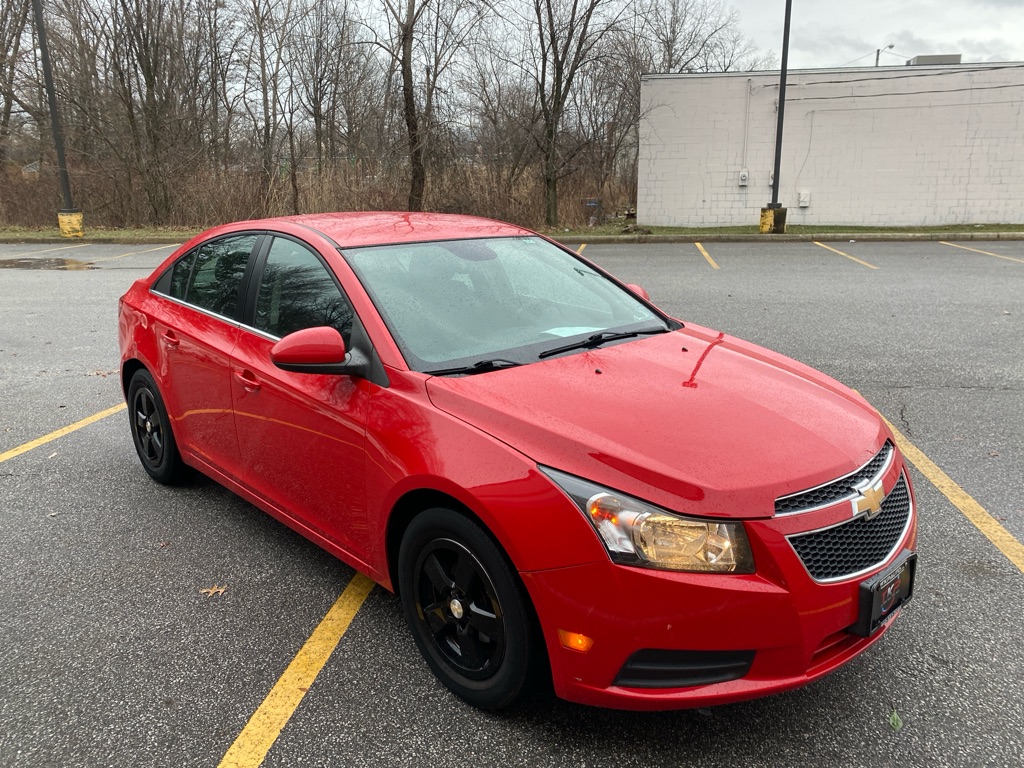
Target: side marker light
[574,641]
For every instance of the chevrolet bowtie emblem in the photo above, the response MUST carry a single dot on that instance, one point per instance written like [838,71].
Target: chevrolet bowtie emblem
[868,501]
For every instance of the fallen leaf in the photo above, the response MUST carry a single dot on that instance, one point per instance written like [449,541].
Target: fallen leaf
[214,590]
[993,454]
[895,721]
[164,544]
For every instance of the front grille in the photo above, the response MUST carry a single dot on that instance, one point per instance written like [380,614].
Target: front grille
[857,545]
[837,490]
[656,668]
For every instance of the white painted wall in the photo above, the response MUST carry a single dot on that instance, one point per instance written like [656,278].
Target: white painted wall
[870,146]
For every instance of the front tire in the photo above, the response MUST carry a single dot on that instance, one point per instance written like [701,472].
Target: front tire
[151,431]
[466,610]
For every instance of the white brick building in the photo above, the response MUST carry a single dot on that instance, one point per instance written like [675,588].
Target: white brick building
[866,146]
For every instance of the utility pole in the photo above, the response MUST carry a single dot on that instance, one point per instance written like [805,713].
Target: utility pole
[69,217]
[773,217]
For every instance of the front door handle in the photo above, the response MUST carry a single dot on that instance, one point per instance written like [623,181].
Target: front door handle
[248,380]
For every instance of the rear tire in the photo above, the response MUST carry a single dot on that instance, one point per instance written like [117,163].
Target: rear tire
[467,610]
[151,431]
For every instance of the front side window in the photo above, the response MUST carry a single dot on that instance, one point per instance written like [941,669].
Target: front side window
[460,302]
[297,291]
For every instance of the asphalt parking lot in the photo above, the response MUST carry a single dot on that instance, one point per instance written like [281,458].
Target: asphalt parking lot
[111,655]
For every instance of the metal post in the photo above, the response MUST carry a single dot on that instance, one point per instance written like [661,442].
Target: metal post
[69,213]
[782,108]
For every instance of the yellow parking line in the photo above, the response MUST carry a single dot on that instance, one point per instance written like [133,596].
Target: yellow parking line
[987,253]
[48,250]
[25,448]
[971,509]
[133,253]
[263,728]
[851,258]
[580,249]
[706,256]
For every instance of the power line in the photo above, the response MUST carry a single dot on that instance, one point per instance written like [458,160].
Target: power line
[908,93]
[916,74]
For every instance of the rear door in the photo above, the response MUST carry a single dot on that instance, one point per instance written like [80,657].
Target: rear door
[301,436]
[195,330]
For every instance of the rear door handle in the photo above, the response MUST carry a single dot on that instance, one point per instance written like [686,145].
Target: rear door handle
[170,339]
[248,380]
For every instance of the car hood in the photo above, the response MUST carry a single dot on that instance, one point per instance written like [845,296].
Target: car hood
[692,420]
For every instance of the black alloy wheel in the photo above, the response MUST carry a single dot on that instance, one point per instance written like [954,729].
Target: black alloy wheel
[466,610]
[456,599]
[151,431]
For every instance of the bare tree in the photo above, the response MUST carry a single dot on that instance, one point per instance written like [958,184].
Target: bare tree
[267,24]
[698,36]
[317,50]
[505,109]
[566,38]
[13,21]
[427,35]
[172,107]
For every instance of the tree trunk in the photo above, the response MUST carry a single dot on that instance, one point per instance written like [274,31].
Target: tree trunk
[417,168]
[550,176]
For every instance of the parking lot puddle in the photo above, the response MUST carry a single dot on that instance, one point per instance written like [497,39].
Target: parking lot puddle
[29,263]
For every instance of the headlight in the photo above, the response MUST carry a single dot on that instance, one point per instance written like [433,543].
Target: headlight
[635,533]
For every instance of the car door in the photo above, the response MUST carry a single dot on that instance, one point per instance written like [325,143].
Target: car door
[301,435]
[195,331]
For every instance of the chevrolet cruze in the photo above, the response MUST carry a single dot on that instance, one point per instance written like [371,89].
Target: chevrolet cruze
[561,481]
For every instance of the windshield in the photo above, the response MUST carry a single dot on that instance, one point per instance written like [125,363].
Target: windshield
[461,302]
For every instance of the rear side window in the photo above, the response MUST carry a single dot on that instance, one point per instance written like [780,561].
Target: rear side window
[216,274]
[210,276]
[297,291]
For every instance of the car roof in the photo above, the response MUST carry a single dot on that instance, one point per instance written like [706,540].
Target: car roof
[353,229]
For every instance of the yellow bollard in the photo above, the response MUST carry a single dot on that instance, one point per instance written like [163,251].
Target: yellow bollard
[773,221]
[71,224]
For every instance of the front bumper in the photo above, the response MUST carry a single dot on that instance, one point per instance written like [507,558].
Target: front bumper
[795,629]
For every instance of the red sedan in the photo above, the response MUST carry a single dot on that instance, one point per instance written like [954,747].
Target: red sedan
[560,480]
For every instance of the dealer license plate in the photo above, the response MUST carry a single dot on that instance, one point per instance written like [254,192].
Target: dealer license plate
[882,595]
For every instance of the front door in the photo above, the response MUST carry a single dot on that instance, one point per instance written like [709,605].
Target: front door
[301,435]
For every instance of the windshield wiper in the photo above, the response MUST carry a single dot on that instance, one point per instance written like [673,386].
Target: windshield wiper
[480,366]
[598,339]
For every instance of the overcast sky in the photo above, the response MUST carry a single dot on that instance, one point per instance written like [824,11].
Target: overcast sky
[833,33]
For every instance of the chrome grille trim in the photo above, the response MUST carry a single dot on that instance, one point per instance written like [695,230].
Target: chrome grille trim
[834,491]
[897,510]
